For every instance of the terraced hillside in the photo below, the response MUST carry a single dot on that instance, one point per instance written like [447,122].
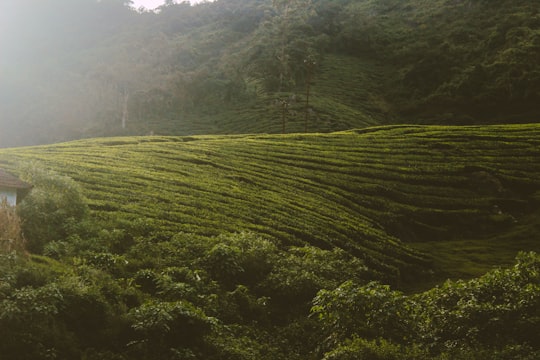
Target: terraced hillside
[468,194]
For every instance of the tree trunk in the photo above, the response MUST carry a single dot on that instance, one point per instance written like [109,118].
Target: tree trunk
[283,58]
[125,113]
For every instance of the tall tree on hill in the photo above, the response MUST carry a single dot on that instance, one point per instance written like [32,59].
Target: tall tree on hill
[292,17]
[284,8]
[310,64]
[279,46]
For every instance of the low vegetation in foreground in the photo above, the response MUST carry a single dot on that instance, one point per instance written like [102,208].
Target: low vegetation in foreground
[300,246]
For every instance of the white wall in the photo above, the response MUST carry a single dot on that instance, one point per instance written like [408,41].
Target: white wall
[10,195]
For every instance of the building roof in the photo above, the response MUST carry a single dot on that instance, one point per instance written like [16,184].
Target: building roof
[8,180]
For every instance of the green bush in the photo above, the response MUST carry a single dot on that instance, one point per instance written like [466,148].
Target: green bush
[499,308]
[496,316]
[54,209]
[11,238]
[302,271]
[361,349]
[164,328]
[242,258]
[224,263]
[27,323]
[371,311]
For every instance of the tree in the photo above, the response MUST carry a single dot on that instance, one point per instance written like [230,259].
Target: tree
[281,43]
[310,65]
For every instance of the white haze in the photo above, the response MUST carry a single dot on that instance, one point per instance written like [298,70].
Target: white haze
[152,4]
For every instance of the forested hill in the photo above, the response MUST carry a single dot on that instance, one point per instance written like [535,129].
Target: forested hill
[73,69]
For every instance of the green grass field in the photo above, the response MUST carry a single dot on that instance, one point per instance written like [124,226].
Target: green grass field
[406,199]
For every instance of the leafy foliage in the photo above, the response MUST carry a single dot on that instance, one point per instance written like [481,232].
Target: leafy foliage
[53,210]
[298,274]
[166,328]
[228,66]
[11,238]
[490,316]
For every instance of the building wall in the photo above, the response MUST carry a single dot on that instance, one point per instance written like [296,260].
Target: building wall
[9,194]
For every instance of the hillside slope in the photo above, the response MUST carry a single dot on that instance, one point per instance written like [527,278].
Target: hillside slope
[374,192]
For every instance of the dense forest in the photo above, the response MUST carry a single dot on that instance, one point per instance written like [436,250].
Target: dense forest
[270,180]
[87,68]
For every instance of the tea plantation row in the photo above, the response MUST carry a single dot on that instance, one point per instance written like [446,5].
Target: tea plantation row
[362,191]
[266,246]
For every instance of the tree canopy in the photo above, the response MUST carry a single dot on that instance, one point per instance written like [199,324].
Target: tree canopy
[94,68]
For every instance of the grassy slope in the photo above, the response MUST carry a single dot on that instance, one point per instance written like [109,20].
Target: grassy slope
[467,196]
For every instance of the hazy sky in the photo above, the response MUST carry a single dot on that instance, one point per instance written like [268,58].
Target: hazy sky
[152,4]
[149,4]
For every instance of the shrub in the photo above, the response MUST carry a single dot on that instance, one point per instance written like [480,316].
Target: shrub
[163,327]
[302,271]
[242,258]
[27,323]
[11,238]
[496,316]
[371,311]
[501,307]
[52,210]
[224,263]
[361,349]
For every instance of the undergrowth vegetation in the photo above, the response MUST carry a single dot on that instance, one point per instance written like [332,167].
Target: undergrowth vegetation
[262,246]
[11,237]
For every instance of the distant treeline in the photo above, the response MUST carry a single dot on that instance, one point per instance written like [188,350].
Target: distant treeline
[98,68]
